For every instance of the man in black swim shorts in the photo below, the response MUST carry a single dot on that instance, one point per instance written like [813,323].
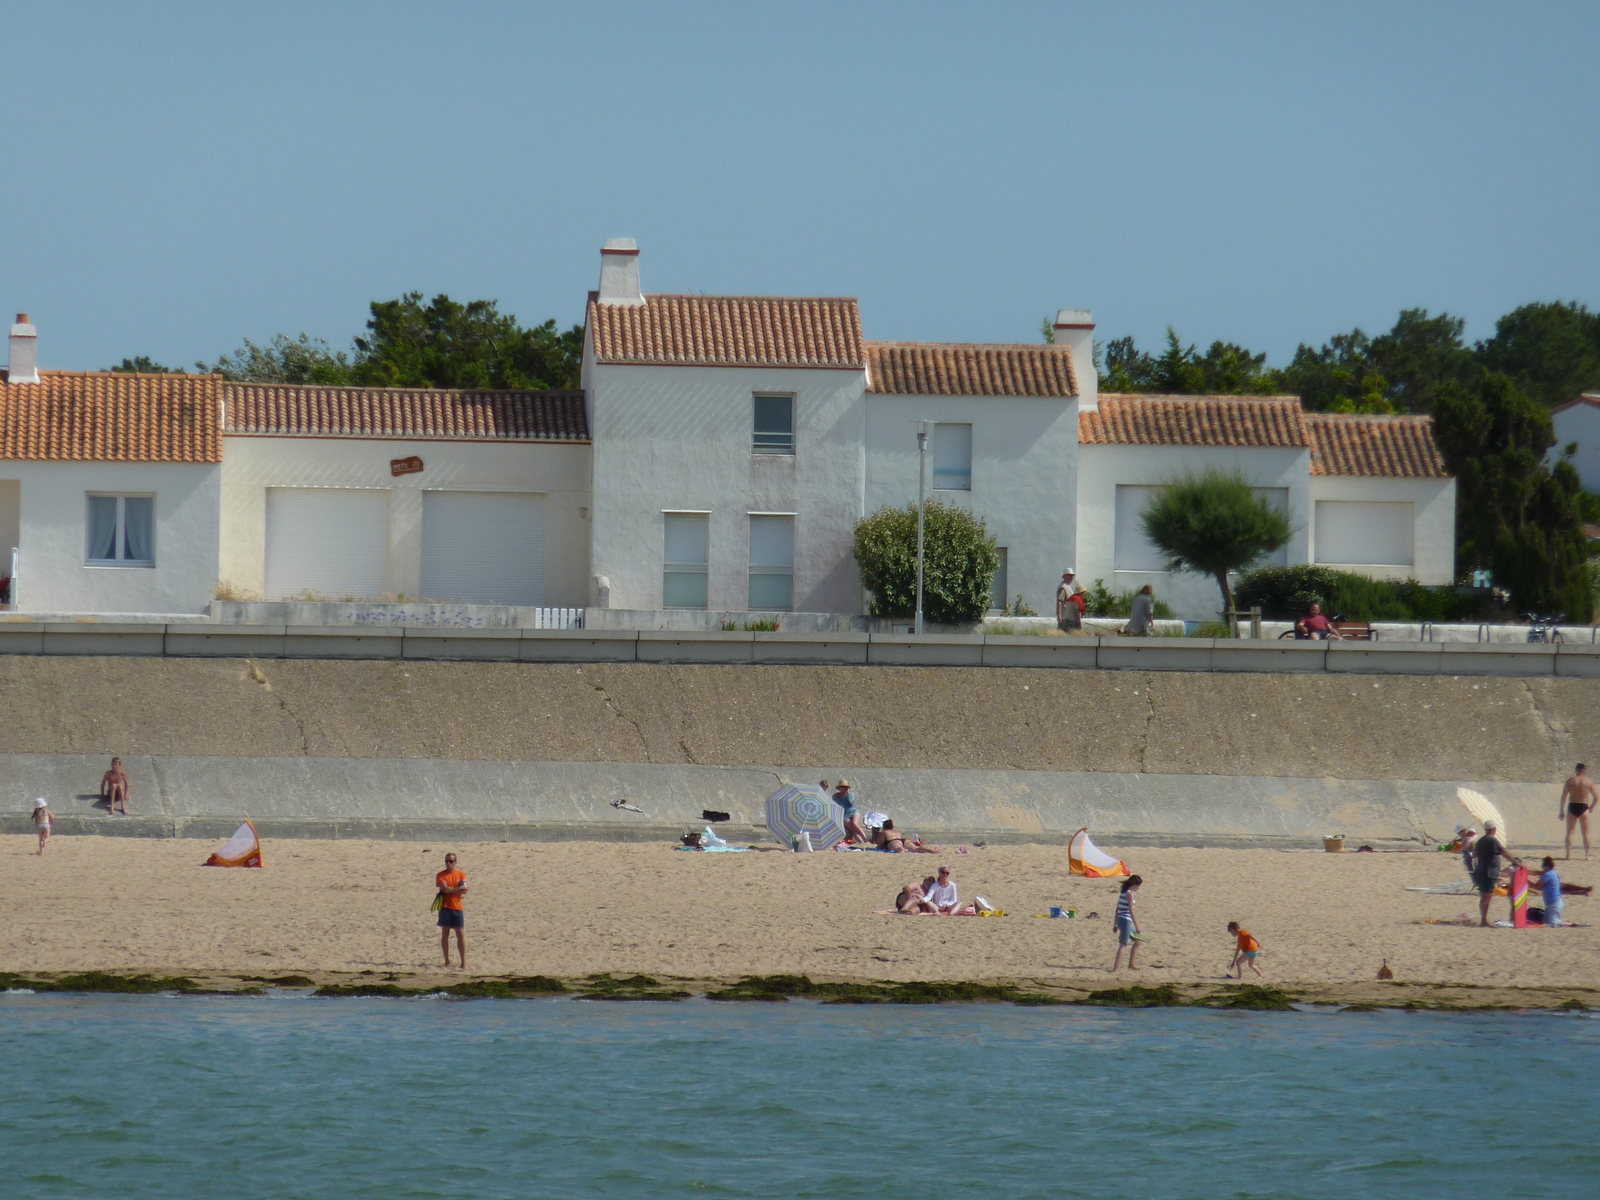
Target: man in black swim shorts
[1578,799]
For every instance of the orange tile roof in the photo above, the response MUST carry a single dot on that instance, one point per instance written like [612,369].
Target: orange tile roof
[1369,445]
[728,331]
[296,410]
[1194,421]
[106,416]
[1592,399]
[955,369]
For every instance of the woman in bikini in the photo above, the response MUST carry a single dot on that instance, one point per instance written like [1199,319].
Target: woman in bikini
[891,841]
[910,901]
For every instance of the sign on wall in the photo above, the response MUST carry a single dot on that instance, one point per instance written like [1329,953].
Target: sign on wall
[405,466]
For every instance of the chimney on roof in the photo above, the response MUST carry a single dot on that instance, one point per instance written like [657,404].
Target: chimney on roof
[24,363]
[619,273]
[1075,330]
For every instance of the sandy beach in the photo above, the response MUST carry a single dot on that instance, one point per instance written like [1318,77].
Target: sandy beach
[336,908]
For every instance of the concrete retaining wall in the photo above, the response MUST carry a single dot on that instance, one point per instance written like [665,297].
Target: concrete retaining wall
[685,646]
[442,800]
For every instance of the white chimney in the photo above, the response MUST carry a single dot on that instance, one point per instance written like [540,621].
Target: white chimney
[24,363]
[619,273]
[1075,330]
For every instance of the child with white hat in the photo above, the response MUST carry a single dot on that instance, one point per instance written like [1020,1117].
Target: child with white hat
[43,819]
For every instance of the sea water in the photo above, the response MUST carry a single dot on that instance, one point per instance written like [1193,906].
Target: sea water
[292,1096]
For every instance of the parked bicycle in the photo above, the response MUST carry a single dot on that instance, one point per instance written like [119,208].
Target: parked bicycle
[1543,629]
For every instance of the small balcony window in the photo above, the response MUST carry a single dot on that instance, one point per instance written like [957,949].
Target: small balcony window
[774,425]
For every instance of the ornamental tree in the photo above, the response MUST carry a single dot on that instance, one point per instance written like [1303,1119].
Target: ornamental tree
[959,562]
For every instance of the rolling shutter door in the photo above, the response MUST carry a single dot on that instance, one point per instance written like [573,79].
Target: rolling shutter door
[328,542]
[483,547]
[1135,552]
[1364,533]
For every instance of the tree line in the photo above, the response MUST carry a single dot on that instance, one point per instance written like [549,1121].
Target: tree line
[409,343]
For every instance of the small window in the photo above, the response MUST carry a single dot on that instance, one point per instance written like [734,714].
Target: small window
[997,586]
[774,425]
[688,540]
[122,531]
[771,564]
[952,457]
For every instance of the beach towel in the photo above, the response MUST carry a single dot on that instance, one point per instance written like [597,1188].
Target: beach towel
[243,849]
[1087,859]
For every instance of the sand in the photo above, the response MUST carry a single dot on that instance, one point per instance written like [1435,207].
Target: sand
[327,909]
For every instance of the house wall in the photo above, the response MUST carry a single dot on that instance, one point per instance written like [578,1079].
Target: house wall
[1433,530]
[1101,468]
[1581,424]
[557,470]
[1024,476]
[52,528]
[679,438]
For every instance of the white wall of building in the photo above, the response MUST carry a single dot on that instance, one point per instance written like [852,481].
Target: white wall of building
[1580,423]
[1193,597]
[558,471]
[1024,476]
[51,526]
[680,438]
[1433,505]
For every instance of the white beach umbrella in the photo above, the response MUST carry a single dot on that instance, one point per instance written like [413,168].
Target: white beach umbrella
[1481,807]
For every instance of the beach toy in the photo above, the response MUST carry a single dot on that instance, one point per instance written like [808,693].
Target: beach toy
[1333,843]
[1057,911]
[805,809]
[1086,859]
[243,849]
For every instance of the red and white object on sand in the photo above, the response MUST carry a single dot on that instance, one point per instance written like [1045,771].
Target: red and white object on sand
[1087,859]
[243,849]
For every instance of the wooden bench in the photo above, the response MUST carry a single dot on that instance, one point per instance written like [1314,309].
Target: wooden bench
[1354,631]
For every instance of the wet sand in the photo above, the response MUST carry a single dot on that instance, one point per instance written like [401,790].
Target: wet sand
[342,908]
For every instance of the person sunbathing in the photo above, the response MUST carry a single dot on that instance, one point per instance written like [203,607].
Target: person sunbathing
[891,841]
[912,902]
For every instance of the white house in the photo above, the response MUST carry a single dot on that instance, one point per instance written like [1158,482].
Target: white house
[428,494]
[738,439]
[109,487]
[1362,493]
[1577,423]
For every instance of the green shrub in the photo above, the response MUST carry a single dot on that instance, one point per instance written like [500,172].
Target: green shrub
[959,562]
[1285,593]
[1105,603]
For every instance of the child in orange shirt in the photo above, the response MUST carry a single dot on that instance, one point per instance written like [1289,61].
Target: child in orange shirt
[1246,951]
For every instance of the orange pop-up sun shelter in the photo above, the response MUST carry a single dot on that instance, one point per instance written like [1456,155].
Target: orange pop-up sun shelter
[1085,858]
[243,849]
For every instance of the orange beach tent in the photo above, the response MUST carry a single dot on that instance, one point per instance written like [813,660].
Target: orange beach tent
[243,849]
[1085,858]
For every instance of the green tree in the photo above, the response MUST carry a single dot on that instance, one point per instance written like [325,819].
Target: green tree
[959,562]
[1213,524]
[143,364]
[1419,356]
[1338,377]
[446,344]
[284,360]
[1226,368]
[1514,515]
[1551,351]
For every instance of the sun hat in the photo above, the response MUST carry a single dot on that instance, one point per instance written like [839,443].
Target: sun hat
[41,802]
[844,783]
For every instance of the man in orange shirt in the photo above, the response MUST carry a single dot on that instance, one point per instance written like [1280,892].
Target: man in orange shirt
[452,885]
[1246,951]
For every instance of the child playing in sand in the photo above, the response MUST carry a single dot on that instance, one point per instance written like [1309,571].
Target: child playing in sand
[1245,952]
[1127,924]
[43,818]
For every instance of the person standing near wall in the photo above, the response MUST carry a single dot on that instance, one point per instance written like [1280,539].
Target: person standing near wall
[452,885]
[1143,621]
[1578,799]
[1069,617]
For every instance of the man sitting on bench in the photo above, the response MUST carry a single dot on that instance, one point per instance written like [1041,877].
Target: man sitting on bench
[1315,625]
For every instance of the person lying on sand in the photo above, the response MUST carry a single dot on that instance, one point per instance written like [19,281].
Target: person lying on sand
[891,841]
[912,902]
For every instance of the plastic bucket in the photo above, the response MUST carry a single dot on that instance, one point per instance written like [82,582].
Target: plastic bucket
[1333,844]
[1057,911]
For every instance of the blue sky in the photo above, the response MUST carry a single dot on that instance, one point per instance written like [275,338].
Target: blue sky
[181,176]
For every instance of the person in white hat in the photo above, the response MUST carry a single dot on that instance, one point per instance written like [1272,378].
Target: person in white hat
[1069,616]
[43,819]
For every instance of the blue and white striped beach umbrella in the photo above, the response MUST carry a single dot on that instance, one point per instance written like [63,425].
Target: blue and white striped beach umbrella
[802,808]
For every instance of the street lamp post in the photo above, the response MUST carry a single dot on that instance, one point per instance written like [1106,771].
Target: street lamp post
[922,493]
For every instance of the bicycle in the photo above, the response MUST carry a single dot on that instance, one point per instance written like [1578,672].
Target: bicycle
[1543,629]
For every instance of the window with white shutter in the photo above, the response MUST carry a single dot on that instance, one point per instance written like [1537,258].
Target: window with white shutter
[952,457]
[686,560]
[771,563]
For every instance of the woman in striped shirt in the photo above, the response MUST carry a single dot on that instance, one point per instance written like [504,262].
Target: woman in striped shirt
[1127,924]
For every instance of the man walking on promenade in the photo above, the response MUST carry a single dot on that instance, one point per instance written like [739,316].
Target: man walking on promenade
[1578,799]
[452,885]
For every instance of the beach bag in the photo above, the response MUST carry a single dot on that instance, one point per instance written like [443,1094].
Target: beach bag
[1535,916]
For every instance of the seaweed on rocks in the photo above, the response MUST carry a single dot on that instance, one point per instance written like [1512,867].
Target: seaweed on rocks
[281,980]
[1251,997]
[371,989]
[782,987]
[604,986]
[481,989]
[541,985]
[103,981]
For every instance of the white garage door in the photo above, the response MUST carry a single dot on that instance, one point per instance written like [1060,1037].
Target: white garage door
[1364,532]
[483,547]
[328,542]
